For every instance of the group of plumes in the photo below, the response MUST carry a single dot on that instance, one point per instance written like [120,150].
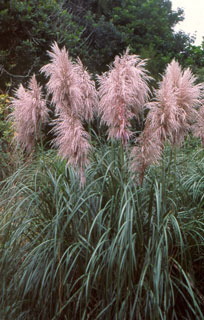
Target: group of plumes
[123,93]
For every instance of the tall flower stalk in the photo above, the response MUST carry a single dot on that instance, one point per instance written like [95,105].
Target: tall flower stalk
[74,95]
[170,116]
[29,112]
[123,91]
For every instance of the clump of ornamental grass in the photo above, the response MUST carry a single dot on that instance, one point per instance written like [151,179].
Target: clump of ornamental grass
[74,95]
[104,255]
[123,91]
[170,116]
[29,113]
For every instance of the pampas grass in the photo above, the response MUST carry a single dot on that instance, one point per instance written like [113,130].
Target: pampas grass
[123,91]
[72,142]
[63,81]
[29,112]
[88,91]
[170,116]
[112,250]
[109,251]
[74,95]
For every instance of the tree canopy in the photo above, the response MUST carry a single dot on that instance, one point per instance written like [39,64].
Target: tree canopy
[95,30]
[27,30]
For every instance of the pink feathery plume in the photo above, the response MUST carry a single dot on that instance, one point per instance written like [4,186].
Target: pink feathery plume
[188,95]
[123,91]
[63,81]
[169,118]
[88,90]
[39,109]
[74,95]
[163,113]
[72,143]
[29,112]
[173,109]
[147,151]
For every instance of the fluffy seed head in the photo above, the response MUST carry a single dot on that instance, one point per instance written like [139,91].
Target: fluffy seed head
[72,142]
[147,151]
[29,111]
[170,115]
[74,95]
[70,84]
[123,91]
[173,110]
[88,91]
[63,81]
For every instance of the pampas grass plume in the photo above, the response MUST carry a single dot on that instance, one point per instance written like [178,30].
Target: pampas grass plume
[75,97]
[123,91]
[29,112]
[170,116]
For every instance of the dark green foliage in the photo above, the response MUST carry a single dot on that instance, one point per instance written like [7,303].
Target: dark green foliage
[145,26]
[6,134]
[27,30]
[193,57]
[95,30]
